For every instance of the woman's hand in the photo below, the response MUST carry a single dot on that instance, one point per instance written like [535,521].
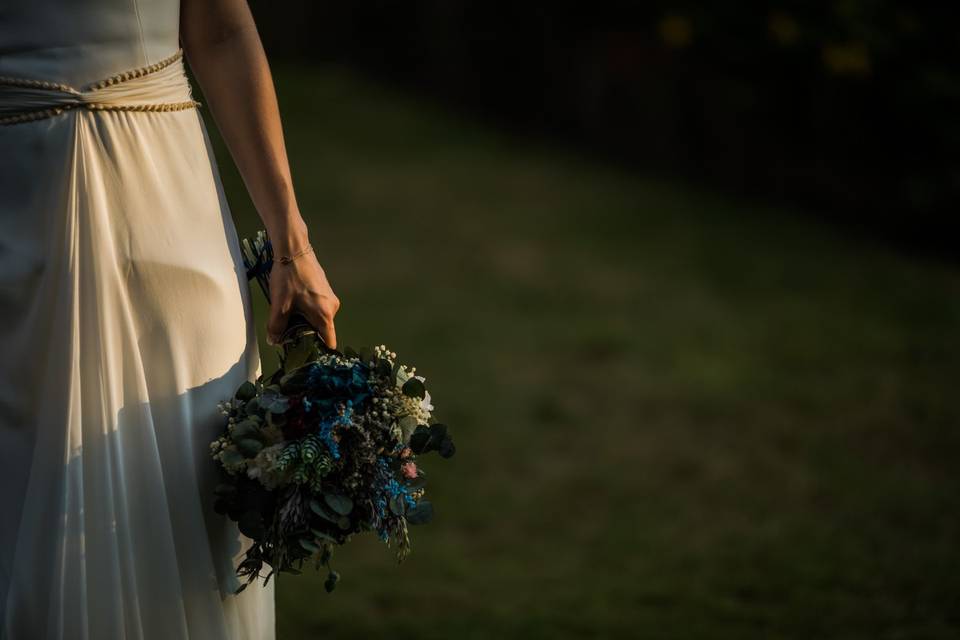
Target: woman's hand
[302,286]
[226,55]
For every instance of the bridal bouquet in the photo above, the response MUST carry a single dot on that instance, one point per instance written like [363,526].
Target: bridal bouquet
[325,447]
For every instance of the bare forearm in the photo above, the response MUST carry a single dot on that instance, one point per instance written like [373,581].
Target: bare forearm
[231,68]
[224,51]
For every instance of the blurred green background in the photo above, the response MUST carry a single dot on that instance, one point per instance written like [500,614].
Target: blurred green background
[684,407]
[678,415]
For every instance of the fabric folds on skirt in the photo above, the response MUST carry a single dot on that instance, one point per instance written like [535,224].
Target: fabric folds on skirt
[124,318]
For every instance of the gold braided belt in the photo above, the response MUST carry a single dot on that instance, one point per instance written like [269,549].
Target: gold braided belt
[162,86]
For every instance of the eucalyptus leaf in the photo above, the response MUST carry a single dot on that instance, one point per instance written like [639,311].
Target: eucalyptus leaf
[397,505]
[407,425]
[420,514]
[437,433]
[246,391]
[273,400]
[331,582]
[414,388]
[419,439]
[446,447]
[318,509]
[249,447]
[342,505]
[320,535]
[246,428]
[309,545]
[231,457]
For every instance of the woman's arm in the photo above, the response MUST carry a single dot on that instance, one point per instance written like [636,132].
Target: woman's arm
[223,48]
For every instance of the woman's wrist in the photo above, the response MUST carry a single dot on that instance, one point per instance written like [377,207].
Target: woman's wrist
[289,237]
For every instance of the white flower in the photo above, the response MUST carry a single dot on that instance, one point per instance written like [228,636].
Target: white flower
[425,403]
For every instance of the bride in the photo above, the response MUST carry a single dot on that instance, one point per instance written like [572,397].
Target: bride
[125,312]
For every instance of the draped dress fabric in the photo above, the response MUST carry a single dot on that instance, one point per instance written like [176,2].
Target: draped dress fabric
[124,319]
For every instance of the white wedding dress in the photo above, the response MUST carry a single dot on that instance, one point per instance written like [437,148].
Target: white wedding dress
[124,318]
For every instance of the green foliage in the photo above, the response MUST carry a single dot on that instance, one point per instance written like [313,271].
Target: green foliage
[231,457]
[432,438]
[273,400]
[249,447]
[420,514]
[318,509]
[246,391]
[414,388]
[310,448]
[323,536]
[331,582]
[304,350]
[251,524]
[367,355]
[342,505]
[397,505]
[249,427]
[309,545]
[289,456]
[407,426]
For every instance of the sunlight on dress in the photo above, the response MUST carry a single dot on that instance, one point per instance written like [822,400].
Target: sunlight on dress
[124,318]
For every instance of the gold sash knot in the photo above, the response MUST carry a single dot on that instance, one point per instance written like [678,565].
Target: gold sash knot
[162,86]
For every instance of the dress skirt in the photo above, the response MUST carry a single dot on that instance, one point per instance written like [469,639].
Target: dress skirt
[125,318]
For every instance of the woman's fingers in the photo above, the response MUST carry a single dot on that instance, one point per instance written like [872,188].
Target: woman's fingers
[320,314]
[329,335]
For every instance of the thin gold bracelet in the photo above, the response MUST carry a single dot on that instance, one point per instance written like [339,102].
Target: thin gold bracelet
[289,259]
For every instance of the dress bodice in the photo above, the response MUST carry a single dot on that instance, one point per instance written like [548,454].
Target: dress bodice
[76,42]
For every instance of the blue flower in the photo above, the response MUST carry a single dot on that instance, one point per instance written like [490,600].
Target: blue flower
[394,489]
[330,386]
[326,427]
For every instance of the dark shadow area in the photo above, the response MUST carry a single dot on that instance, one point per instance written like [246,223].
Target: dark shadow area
[845,109]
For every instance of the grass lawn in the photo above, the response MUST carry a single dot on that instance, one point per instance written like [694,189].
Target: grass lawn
[678,415]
